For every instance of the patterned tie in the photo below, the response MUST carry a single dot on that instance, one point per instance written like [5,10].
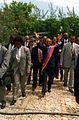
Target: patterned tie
[39,55]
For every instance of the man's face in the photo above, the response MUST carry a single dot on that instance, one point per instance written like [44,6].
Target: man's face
[41,42]
[18,44]
[72,39]
[31,43]
[66,36]
[48,42]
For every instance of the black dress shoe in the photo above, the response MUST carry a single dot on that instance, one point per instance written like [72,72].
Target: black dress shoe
[65,85]
[28,83]
[43,94]
[71,90]
[23,94]
[3,104]
[49,90]
[13,102]
[40,84]
[61,79]
[33,89]
[77,99]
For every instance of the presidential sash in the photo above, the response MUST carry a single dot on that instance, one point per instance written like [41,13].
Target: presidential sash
[48,56]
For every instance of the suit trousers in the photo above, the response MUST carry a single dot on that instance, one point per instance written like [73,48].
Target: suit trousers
[19,81]
[66,71]
[50,73]
[2,93]
[69,77]
[35,77]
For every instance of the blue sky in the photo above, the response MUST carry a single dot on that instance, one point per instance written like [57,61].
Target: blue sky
[43,4]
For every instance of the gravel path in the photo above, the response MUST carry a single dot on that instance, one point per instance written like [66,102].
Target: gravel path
[59,104]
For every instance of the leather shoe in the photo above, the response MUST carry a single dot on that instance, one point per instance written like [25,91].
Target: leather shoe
[3,104]
[77,99]
[33,89]
[71,90]
[43,94]
[49,90]
[13,102]
[23,94]
[65,85]
[61,79]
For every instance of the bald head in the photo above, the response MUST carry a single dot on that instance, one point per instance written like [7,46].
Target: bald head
[48,41]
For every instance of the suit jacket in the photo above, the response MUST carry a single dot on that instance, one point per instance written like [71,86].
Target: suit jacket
[9,46]
[76,79]
[25,61]
[34,55]
[64,41]
[53,60]
[66,56]
[4,60]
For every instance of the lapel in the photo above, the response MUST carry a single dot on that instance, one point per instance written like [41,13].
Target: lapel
[69,47]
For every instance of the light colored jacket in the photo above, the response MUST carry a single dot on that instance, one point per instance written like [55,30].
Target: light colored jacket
[4,60]
[66,56]
[25,61]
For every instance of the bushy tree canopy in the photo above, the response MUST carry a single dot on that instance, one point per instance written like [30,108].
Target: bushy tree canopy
[22,18]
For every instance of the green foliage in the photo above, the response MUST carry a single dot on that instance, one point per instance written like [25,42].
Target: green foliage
[71,25]
[15,18]
[22,18]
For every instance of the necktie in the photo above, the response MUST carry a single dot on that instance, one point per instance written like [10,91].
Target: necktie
[72,52]
[39,55]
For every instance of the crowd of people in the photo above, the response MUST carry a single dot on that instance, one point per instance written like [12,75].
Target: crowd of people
[45,57]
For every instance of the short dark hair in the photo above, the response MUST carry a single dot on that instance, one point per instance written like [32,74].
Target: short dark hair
[19,39]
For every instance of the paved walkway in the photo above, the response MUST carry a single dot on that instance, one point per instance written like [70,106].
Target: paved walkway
[59,104]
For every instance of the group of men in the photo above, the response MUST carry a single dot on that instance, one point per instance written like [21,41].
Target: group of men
[43,57]
[18,61]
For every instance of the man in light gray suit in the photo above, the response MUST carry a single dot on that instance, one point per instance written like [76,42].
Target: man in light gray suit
[68,59]
[20,65]
[4,64]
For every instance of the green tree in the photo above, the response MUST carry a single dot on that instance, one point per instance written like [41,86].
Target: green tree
[15,18]
[22,18]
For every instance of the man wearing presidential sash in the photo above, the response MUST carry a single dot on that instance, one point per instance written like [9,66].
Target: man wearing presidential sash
[48,65]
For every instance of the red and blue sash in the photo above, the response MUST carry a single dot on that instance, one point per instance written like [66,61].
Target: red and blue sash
[48,56]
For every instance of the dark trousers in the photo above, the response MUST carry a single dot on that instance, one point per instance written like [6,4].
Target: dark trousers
[8,87]
[76,82]
[35,77]
[50,73]
[61,74]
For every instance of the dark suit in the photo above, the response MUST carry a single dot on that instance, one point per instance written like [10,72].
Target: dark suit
[36,64]
[4,64]
[76,79]
[57,68]
[9,85]
[49,71]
